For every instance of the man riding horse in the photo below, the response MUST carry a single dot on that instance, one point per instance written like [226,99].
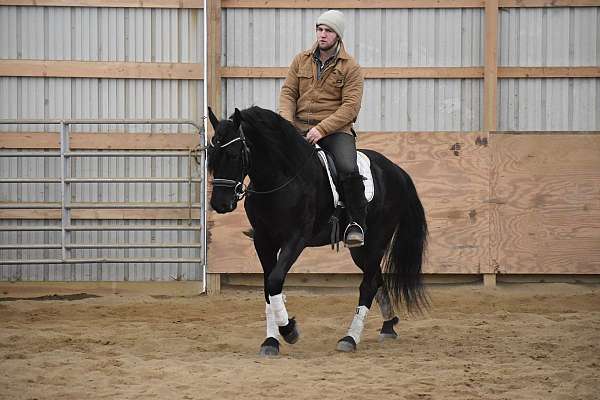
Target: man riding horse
[321,96]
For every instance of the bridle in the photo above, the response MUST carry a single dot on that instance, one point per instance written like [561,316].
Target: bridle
[239,189]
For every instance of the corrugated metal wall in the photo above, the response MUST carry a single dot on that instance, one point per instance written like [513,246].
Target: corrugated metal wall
[536,37]
[266,37]
[100,34]
[428,38]
[377,38]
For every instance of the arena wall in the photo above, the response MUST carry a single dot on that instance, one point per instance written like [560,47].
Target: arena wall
[492,106]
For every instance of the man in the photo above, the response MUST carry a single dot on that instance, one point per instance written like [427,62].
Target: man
[321,96]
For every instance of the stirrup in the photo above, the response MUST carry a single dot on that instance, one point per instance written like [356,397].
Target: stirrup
[356,241]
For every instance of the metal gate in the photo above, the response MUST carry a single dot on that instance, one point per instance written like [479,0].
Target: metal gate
[79,247]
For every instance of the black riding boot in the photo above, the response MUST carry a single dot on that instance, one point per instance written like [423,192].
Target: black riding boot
[356,207]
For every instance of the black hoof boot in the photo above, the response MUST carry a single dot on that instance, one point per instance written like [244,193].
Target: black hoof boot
[290,332]
[346,344]
[269,348]
[387,330]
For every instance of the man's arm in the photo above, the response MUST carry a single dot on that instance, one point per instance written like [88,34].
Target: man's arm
[351,100]
[289,92]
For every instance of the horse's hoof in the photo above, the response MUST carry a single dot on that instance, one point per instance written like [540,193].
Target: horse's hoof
[290,332]
[387,336]
[387,330]
[269,348]
[346,344]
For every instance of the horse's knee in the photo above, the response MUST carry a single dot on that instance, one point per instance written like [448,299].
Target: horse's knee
[275,284]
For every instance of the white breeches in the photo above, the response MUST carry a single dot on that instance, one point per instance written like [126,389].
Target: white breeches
[358,323]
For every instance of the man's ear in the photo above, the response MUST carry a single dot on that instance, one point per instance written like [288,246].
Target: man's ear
[213,119]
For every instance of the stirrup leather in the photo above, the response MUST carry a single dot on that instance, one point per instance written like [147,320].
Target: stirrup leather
[362,233]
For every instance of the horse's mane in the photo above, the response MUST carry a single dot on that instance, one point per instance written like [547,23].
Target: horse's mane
[286,147]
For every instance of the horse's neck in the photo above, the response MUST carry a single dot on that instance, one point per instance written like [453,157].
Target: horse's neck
[266,173]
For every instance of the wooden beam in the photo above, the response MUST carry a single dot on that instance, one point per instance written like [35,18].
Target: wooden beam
[341,4]
[548,3]
[423,72]
[369,72]
[406,4]
[107,214]
[101,141]
[131,70]
[490,79]
[429,72]
[100,69]
[549,72]
[253,72]
[106,3]
[301,4]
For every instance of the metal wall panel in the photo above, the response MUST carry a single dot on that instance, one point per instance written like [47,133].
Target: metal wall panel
[100,34]
[549,37]
[564,104]
[377,38]
[435,105]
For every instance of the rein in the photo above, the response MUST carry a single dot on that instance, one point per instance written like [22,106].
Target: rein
[240,190]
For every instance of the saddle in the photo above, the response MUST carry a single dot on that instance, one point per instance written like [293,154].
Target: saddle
[364,168]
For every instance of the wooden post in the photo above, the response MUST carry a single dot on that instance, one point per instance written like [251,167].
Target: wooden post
[214,56]
[489,280]
[213,284]
[490,105]
[490,70]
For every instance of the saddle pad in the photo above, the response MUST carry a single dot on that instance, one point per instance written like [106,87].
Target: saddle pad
[364,168]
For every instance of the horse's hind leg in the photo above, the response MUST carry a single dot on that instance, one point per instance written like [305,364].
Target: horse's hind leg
[368,289]
[387,312]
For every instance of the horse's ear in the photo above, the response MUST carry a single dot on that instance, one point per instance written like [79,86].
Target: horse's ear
[237,118]
[213,119]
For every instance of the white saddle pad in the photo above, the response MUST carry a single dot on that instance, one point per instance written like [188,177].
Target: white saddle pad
[364,168]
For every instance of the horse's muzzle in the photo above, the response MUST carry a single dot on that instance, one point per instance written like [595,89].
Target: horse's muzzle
[223,207]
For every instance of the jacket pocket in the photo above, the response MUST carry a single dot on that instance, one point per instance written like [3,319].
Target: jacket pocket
[338,79]
[305,73]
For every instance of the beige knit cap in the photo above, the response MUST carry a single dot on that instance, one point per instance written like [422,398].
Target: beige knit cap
[333,19]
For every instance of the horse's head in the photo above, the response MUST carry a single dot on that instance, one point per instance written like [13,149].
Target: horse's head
[228,161]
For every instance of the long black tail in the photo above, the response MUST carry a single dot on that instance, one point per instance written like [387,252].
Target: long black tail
[405,253]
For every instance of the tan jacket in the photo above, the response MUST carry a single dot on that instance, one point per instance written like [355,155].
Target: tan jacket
[331,103]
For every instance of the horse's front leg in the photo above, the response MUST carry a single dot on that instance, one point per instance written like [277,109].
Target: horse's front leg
[275,268]
[267,250]
[289,253]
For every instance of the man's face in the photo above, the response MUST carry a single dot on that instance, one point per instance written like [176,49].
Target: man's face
[326,37]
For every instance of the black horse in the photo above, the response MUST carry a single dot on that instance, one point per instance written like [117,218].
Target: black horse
[289,205]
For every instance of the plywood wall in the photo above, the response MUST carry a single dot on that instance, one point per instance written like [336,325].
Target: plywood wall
[509,203]
[545,203]
[450,171]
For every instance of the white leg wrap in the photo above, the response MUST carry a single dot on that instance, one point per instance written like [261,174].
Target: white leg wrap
[358,323]
[280,314]
[272,330]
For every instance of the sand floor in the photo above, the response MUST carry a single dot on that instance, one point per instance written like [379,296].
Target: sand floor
[519,341]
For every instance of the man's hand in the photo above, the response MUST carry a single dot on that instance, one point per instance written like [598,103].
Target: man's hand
[314,135]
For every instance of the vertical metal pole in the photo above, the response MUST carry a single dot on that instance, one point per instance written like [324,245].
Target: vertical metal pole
[65,172]
[203,201]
